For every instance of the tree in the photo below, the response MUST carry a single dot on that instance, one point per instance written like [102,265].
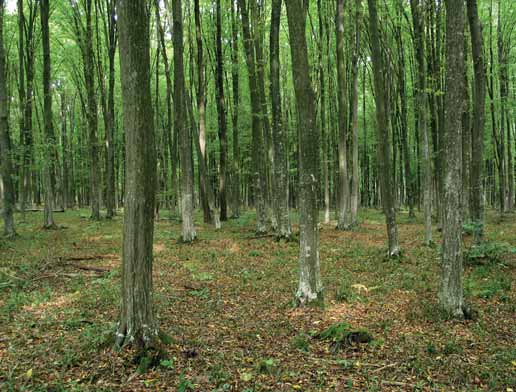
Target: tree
[48,219]
[280,182]
[137,325]
[310,286]
[382,126]
[221,110]
[344,222]
[450,293]
[84,36]
[5,143]
[419,49]
[258,169]
[477,140]
[183,131]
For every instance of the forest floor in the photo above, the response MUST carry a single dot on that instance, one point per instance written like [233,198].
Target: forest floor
[226,302]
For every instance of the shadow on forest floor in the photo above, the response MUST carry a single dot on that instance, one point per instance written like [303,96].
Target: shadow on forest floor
[226,302]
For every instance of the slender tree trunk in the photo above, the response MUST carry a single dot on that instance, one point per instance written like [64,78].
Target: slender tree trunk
[280,182]
[183,131]
[137,325]
[259,175]
[344,222]
[5,143]
[48,219]
[65,151]
[201,109]
[421,101]
[382,125]
[504,84]
[221,110]
[477,137]
[235,181]
[354,114]
[451,292]
[310,286]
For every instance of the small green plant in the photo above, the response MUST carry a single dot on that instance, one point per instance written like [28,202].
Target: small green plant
[167,363]
[267,366]
[301,343]
[473,228]
[340,334]
[184,384]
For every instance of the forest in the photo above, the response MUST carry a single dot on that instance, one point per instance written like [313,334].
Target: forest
[257,195]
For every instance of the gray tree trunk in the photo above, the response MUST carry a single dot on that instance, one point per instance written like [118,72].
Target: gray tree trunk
[354,114]
[344,218]
[48,170]
[137,325]
[477,139]
[183,131]
[451,293]
[422,105]
[280,183]
[310,285]
[382,126]
[258,167]
[5,145]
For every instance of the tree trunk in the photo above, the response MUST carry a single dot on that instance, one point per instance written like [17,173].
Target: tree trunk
[450,293]
[48,219]
[137,325]
[183,131]
[477,137]
[382,125]
[421,101]
[221,110]
[354,114]
[258,166]
[344,222]
[235,180]
[5,144]
[310,286]
[280,182]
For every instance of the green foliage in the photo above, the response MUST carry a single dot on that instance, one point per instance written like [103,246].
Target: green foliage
[267,366]
[488,252]
[473,228]
[184,384]
[483,283]
[341,334]
[301,342]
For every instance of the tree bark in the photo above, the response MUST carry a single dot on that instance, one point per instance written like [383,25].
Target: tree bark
[137,325]
[354,114]
[48,218]
[477,139]
[344,222]
[421,101]
[5,143]
[451,292]
[221,110]
[259,175]
[382,126]
[235,180]
[183,131]
[310,285]
[280,182]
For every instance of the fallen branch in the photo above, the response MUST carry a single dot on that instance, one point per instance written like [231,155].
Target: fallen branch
[397,384]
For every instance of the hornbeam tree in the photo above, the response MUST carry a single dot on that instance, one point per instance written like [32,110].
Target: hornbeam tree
[310,285]
[137,325]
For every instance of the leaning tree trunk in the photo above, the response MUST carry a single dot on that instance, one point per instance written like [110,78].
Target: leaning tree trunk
[382,125]
[344,222]
[183,131]
[477,139]
[310,286]
[421,99]
[137,325]
[450,293]
[5,145]
[48,217]
[280,183]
